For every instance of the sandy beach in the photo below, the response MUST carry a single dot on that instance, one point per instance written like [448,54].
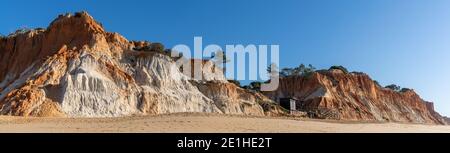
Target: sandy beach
[209,123]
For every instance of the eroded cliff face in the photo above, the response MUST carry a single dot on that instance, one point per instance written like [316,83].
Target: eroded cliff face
[447,119]
[235,100]
[75,68]
[354,96]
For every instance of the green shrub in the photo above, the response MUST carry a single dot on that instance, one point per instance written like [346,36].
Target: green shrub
[256,86]
[246,87]
[40,29]
[358,73]
[157,47]
[301,70]
[237,83]
[287,72]
[393,87]
[339,67]
[322,71]
[168,51]
[405,90]
[153,47]
[80,14]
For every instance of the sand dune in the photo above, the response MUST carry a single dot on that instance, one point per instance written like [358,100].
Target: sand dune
[188,122]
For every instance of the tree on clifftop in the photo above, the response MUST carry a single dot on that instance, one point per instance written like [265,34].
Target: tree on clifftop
[255,86]
[301,70]
[393,87]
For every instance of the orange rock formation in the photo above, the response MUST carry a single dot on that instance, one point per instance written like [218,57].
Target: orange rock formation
[354,96]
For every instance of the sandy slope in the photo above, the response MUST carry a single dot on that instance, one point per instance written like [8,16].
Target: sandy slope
[200,123]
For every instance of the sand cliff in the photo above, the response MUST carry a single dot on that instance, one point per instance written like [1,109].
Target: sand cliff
[354,96]
[74,68]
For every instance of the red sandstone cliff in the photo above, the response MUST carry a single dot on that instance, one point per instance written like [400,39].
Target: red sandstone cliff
[22,49]
[75,68]
[354,96]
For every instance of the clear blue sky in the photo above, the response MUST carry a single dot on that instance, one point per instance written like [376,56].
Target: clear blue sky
[406,42]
